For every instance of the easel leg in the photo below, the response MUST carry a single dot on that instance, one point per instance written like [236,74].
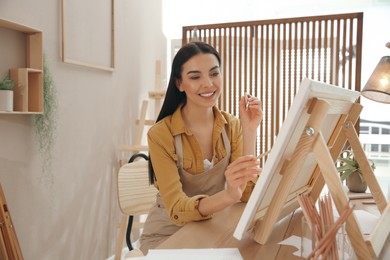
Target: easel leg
[290,172]
[121,235]
[336,144]
[339,196]
[8,242]
[3,248]
[368,174]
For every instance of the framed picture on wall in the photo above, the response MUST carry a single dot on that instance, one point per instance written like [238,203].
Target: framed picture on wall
[88,37]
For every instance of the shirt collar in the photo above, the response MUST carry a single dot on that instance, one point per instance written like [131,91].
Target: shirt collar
[179,127]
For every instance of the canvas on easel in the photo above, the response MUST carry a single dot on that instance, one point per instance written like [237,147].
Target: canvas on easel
[9,244]
[319,123]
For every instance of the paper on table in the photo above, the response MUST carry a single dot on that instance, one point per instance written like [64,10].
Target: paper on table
[295,241]
[193,254]
[367,221]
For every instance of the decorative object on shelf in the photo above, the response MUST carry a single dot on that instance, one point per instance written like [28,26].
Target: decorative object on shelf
[377,87]
[46,124]
[7,94]
[350,171]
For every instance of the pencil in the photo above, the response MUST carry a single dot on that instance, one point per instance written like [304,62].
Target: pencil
[246,100]
[262,155]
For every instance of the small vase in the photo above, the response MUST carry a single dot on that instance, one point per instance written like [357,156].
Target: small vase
[6,100]
[355,183]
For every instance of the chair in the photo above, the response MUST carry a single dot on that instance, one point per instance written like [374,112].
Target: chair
[135,197]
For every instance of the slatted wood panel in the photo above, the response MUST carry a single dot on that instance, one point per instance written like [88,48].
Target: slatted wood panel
[269,59]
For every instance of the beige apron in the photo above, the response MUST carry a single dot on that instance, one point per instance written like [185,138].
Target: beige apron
[158,226]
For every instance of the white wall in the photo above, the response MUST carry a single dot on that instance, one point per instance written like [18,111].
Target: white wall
[76,215]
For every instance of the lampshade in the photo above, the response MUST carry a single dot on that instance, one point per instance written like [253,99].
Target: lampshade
[377,87]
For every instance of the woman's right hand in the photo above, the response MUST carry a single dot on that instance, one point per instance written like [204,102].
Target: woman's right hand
[238,173]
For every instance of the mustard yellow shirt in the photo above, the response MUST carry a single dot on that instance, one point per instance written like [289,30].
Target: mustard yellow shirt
[181,208]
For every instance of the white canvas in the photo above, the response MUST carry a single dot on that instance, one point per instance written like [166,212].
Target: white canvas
[285,143]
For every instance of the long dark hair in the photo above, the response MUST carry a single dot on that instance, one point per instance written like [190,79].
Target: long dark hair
[173,97]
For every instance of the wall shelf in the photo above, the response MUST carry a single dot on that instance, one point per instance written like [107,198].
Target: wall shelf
[28,92]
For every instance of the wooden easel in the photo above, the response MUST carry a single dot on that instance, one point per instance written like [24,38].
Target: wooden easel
[325,154]
[9,244]
[157,95]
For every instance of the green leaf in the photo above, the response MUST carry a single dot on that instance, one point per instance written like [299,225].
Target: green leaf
[6,83]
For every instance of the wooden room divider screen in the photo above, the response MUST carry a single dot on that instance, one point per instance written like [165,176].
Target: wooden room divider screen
[269,59]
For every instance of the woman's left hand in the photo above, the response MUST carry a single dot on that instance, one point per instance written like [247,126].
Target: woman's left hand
[251,112]
[238,173]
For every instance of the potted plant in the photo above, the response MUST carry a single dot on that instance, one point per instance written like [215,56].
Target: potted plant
[350,171]
[6,94]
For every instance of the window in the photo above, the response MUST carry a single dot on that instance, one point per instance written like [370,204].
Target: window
[375,130]
[364,130]
[374,147]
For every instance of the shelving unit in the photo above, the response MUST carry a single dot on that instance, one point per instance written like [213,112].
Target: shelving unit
[28,92]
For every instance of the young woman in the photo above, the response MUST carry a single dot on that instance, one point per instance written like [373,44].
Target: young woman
[201,159]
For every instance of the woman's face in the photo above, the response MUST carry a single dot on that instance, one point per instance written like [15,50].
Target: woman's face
[201,80]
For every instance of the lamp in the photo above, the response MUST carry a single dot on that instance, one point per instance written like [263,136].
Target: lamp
[377,87]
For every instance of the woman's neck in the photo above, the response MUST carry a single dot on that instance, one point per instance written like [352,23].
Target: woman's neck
[200,121]
[195,117]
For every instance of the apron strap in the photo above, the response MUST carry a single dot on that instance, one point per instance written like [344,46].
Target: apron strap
[226,142]
[179,151]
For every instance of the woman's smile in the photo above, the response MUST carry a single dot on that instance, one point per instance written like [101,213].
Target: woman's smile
[207,94]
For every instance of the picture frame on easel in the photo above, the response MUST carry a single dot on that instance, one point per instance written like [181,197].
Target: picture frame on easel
[319,123]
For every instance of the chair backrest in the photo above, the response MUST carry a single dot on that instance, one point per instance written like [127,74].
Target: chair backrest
[135,195]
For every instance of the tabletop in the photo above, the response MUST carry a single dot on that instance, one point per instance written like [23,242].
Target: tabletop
[218,233]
